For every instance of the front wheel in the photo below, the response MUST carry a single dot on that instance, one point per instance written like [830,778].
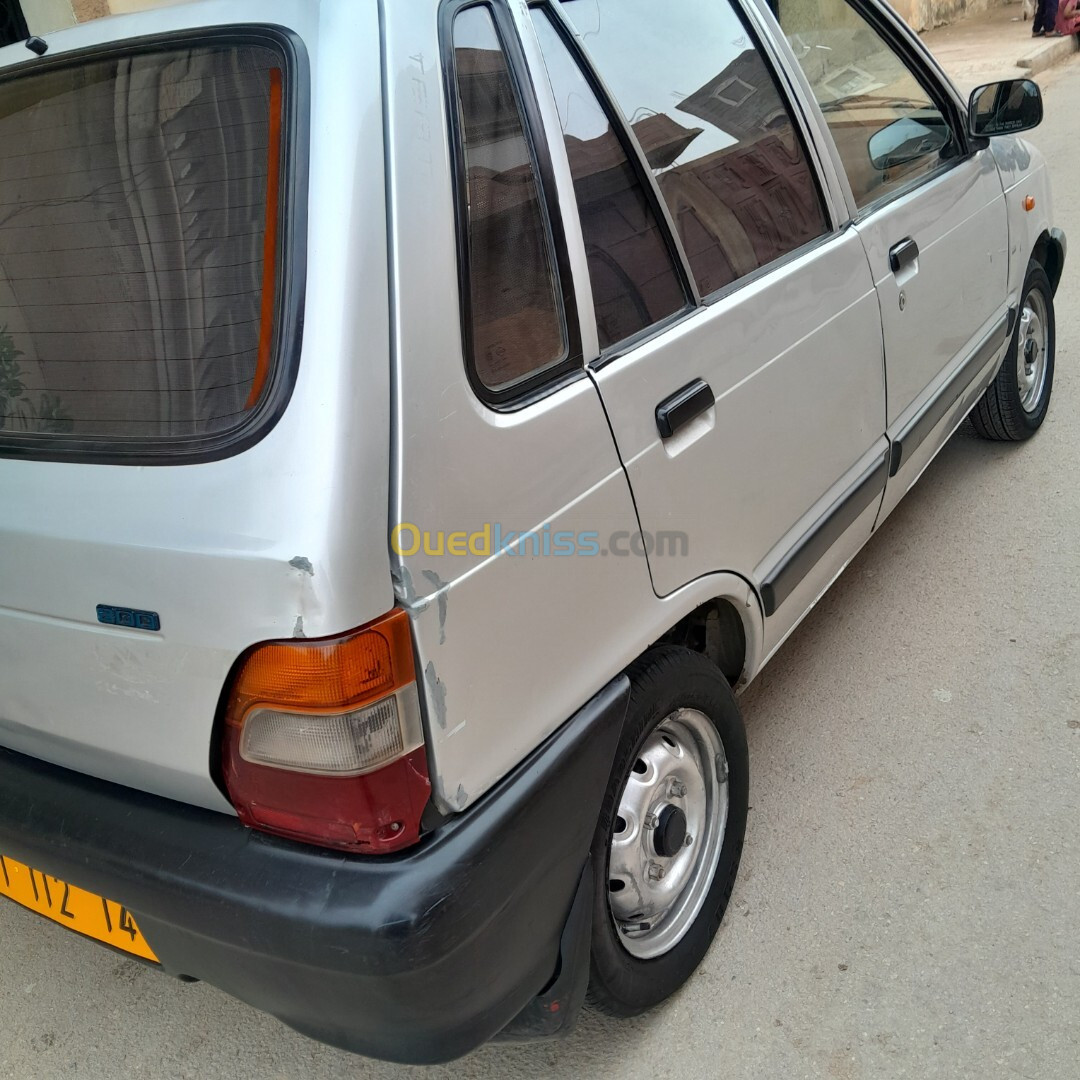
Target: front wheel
[1015,403]
[670,834]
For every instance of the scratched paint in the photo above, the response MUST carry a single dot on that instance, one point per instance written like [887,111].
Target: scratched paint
[405,591]
[436,694]
[442,589]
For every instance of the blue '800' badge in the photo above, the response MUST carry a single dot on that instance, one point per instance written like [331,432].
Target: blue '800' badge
[128,617]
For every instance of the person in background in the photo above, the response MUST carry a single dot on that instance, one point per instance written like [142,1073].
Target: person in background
[1068,18]
[1044,23]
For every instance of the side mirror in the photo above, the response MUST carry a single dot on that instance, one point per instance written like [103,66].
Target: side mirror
[1004,108]
[908,139]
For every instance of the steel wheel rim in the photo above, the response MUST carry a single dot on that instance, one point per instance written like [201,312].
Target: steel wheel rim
[1033,351]
[655,893]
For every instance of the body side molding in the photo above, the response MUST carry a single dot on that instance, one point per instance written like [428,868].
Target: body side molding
[920,425]
[799,560]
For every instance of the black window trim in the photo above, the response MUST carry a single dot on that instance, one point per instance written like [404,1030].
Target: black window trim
[803,132]
[291,265]
[570,368]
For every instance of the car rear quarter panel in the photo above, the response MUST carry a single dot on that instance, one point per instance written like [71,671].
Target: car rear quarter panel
[509,644]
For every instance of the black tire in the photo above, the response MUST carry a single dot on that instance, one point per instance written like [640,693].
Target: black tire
[1000,414]
[665,679]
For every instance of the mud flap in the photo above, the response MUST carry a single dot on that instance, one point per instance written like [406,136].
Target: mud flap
[554,1011]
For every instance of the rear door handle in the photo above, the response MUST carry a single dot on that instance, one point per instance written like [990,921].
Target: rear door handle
[679,409]
[903,254]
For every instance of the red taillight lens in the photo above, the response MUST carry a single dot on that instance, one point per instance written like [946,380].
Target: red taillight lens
[323,740]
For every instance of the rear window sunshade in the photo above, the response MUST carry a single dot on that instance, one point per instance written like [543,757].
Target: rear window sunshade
[144,198]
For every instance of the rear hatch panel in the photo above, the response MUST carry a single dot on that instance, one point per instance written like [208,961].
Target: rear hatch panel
[283,535]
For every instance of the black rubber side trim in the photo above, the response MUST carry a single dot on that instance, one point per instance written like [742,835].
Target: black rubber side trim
[920,425]
[832,524]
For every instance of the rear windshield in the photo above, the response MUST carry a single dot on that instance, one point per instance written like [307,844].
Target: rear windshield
[139,248]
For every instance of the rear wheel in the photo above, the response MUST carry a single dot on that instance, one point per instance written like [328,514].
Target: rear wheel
[1015,403]
[670,834]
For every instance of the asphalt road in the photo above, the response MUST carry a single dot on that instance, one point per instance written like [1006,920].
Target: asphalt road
[909,901]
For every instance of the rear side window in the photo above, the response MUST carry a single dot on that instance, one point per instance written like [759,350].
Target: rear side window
[711,120]
[514,325]
[140,248]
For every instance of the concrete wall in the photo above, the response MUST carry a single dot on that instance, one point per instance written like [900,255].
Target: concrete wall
[920,14]
[90,9]
[925,14]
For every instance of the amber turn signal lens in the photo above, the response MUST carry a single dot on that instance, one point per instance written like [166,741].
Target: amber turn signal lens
[1029,203]
[336,673]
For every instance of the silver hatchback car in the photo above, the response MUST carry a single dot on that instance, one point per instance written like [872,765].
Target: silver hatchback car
[418,420]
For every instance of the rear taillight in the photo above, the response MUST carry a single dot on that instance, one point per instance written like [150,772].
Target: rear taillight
[323,740]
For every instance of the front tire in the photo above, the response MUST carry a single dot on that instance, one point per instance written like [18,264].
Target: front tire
[670,835]
[1015,403]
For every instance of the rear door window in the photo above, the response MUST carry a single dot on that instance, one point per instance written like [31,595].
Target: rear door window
[703,103]
[635,280]
[141,248]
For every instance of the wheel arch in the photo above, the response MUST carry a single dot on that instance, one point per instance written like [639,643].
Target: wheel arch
[720,616]
[1049,252]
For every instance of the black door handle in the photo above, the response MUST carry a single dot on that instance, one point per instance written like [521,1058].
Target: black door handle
[903,254]
[683,406]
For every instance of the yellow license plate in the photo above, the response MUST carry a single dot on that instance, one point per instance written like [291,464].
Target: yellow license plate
[84,912]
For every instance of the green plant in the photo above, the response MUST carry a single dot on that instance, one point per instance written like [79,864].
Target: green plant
[19,411]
